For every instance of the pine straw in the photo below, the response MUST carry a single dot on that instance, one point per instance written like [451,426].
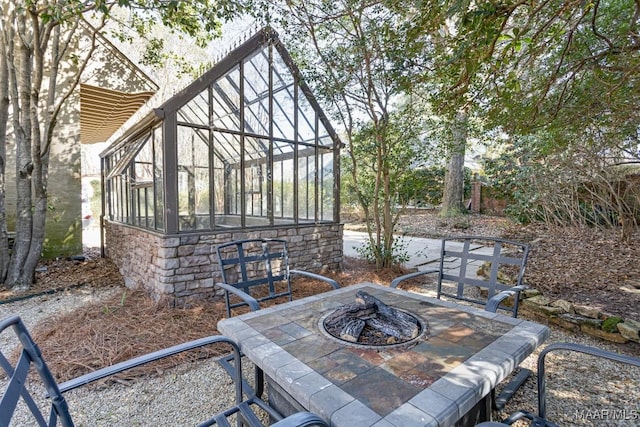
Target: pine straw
[130,324]
[119,328]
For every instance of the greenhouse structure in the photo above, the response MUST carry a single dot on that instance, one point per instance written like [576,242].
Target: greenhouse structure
[244,151]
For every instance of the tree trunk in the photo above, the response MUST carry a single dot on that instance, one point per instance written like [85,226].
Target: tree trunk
[452,198]
[20,82]
[4,117]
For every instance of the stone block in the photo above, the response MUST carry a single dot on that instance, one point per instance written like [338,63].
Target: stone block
[572,318]
[549,310]
[172,242]
[599,333]
[529,293]
[189,240]
[194,260]
[166,252]
[565,324]
[566,306]
[629,331]
[186,250]
[203,250]
[583,310]
[633,323]
[537,300]
[169,263]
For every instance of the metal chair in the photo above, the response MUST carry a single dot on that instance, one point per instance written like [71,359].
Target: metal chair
[540,420]
[460,260]
[257,270]
[30,360]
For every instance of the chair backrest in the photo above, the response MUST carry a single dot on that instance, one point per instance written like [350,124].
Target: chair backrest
[17,384]
[491,264]
[258,267]
[579,348]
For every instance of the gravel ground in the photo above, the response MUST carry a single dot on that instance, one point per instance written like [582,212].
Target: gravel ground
[581,391]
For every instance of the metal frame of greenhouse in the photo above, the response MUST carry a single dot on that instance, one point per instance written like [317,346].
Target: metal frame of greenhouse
[242,151]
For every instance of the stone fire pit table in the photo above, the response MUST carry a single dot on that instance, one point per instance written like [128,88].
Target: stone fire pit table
[443,379]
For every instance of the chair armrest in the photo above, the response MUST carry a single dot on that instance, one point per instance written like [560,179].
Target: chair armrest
[301,419]
[147,358]
[494,302]
[251,301]
[332,282]
[395,282]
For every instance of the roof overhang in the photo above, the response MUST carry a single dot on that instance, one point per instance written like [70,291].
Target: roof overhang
[104,111]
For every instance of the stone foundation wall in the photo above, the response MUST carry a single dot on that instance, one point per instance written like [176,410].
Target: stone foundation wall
[181,268]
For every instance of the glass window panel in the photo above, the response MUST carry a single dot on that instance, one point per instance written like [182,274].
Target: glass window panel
[282,75]
[143,163]
[221,188]
[226,101]
[150,213]
[196,111]
[306,184]
[306,120]
[256,69]
[255,181]
[283,113]
[283,182]
[193,179]
[326,180]
[256,94]
[158,179]
[323,135]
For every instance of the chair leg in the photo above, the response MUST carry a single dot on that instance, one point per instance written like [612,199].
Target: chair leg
[510,389]
[225,362]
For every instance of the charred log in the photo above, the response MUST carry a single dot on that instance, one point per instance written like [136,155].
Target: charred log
[368,318]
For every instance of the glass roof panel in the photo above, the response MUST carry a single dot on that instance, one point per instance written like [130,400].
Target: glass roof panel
[196,111]
[226,147]
[282,151]
[128,153]
[255,149]
[226,101]
[256,118]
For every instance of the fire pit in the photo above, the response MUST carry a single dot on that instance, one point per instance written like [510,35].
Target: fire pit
[370,322]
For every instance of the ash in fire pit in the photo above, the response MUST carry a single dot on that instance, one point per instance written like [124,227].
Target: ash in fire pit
[370,322]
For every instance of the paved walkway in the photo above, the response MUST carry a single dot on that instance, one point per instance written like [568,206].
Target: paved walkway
[423,252]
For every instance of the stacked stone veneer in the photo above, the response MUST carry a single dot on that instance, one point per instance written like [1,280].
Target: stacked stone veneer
[181,268]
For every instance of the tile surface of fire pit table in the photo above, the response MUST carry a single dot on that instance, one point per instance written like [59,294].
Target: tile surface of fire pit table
[440,379]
